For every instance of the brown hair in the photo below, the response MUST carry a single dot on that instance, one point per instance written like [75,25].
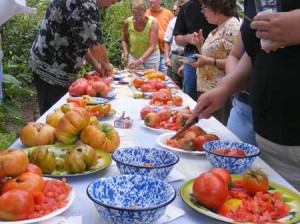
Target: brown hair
[226,7]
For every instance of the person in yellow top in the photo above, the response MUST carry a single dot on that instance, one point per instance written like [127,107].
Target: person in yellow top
[163,17]
[139,40]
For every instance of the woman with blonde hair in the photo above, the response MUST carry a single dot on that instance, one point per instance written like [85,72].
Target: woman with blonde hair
[139,40]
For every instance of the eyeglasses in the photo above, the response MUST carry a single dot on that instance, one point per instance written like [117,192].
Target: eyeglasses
[203,7]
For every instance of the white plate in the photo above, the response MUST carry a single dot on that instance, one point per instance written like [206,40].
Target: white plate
[158,130]
[161,140]
[71,198]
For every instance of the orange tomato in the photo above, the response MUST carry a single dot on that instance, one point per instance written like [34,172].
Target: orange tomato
[27,181]
[137,82]
[13,162]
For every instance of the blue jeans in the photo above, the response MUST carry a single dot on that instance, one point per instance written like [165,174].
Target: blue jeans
[162,67]
[240,122]
[190,81]
[1,76]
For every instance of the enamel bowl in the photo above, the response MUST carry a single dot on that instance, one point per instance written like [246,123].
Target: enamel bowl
[235,165]
[130,199]
[150,161]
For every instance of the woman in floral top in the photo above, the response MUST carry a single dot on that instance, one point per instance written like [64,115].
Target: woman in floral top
[216,48]
[70,33]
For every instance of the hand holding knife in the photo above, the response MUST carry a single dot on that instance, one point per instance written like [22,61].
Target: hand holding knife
[185,127]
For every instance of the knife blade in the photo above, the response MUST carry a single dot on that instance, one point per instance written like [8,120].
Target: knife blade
[185,127]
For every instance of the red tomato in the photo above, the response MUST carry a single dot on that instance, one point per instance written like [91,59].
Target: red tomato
[78,87]
[144,111]
[30,182]
[148,88]
[162,96]
[236,153]
[16,205]
[32,168]
[222,173]
[221,151]
[177,101]
[255,180]
[199,141]
[210,190]
[164,114]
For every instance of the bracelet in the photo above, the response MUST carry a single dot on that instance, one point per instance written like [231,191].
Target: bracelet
[215,62]
[141,60]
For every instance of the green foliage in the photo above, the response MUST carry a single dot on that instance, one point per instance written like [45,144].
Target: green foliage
[6,140]
[111,21]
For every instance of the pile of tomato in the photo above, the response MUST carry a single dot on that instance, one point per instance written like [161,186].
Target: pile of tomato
[24,193]
[243,200]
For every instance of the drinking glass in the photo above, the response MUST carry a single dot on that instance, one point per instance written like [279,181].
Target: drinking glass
[267,6]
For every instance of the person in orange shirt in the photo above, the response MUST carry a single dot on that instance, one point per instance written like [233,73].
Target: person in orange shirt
[163,17]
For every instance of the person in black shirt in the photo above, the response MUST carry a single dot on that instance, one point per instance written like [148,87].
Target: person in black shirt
[274,87]
[190,20]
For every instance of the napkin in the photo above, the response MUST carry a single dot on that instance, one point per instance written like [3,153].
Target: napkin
[170,214]
[63,220]
[174,176]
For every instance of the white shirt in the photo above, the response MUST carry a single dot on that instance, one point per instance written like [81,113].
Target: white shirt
[170,38]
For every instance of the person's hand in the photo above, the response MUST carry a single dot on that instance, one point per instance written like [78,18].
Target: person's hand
[134,64]
[106,69]
[124,56]
[180,71]
[198,39]
[201,61]
[208,103]
[168,62]
[191,38]
[276,27]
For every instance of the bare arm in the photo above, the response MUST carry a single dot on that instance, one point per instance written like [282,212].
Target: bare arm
[282,28]
[125,41]
[97,54]
[183,40]
[235,54]
[167,54]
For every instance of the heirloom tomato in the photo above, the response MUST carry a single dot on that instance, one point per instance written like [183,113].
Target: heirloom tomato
[137,82]
[16,205]
[229,206]
[164,114]
[32,168]
[152,120]
[78,87]
[222,172]
[144,111]
[210,190]
[36,133]
[255,180]
[200,140]
[162,96]
[27,181]
[13,162]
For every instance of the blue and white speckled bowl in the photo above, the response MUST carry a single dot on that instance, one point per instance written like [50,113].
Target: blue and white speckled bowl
[235,165]
[136,160]
[130,199]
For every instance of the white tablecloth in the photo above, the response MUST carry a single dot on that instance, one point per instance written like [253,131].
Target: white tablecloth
[189,166]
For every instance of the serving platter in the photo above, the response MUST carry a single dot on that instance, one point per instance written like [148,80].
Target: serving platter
[104,160]
[292,199]
[54,213]
[161,140]
[111,112]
